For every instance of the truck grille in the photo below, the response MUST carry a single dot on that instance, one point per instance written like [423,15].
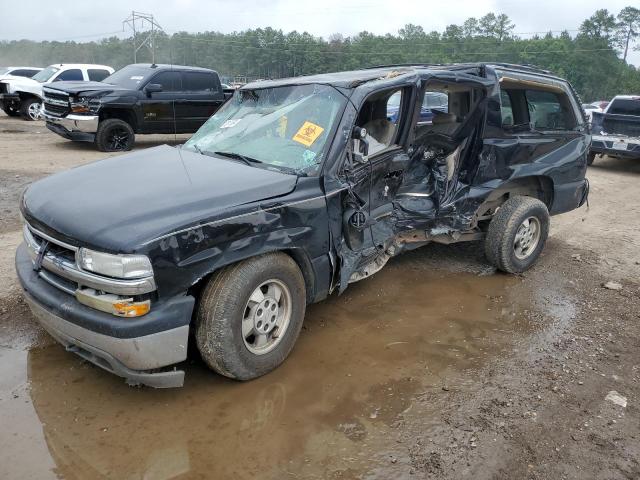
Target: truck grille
[621,127]
[56,103]
[3,87]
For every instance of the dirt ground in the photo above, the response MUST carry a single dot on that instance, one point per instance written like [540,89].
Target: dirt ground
[436,367]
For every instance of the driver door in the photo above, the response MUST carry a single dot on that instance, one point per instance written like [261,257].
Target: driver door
[375,179]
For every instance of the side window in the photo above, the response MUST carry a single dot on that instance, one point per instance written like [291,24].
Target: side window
[380,115]
[70,75]
[506,108]
[199,82]
[23,72]
[97,74]
[549,110]
[170,81]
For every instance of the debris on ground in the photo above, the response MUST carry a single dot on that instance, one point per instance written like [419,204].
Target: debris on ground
[616,398]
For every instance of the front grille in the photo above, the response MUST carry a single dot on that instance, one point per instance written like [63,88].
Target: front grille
[3,88]
[621,127]
[56,103]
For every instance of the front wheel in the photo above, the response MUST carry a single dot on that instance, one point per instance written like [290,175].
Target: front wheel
[114,135]
[30,109]
[517,234]
[250,315]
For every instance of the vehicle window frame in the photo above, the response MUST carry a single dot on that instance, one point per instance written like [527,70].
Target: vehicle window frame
[570,120]
[89,70]
[62,72]
[157,74]
[215,88]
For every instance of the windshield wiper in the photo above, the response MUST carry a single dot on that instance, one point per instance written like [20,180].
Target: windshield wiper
[237,156]
[198,149]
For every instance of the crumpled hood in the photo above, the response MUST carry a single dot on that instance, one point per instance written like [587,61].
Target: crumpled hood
[120,203]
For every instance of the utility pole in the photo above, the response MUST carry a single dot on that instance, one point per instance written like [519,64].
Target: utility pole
[143,20]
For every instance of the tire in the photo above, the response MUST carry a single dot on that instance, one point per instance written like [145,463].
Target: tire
[30,109]
[503,248]
[229,314]
[11,111]
[590,158]
[114,135]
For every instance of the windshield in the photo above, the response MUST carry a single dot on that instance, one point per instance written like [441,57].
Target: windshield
[128,77]
[283,127]
[625,106]
[44,75]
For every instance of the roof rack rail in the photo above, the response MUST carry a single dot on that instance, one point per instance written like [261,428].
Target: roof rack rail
[454,66]
[524,67]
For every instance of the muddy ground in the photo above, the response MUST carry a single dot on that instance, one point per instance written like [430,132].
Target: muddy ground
[436,367]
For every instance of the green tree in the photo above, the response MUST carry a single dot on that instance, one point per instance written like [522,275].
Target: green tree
[628,27]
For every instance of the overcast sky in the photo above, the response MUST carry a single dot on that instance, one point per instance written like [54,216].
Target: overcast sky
[90,19]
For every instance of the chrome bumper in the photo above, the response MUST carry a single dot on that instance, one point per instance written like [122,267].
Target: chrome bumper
[125,357]
[74,123]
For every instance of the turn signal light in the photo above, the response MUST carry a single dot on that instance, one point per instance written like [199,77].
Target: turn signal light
[131,309]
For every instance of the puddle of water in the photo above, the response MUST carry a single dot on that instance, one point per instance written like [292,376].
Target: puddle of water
[361,361]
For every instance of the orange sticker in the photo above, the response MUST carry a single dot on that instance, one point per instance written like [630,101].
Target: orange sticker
[308,133]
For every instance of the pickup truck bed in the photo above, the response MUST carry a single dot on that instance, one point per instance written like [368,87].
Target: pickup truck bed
[617,134]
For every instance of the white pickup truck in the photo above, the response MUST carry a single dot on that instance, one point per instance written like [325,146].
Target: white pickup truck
[616,131]
[23,96]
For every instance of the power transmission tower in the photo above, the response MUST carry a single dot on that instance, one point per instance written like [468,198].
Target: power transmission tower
[143,22]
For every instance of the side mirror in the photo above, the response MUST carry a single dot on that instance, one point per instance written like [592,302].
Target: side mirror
[360,145]
[152,88]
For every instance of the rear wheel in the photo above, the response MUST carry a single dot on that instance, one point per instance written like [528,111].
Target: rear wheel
[30,109]
[517,234]
[114,135]
[250,315]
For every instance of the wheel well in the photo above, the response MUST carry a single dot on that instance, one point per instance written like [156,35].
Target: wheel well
[536,186]
[26,96]
[125,115]
[298,256]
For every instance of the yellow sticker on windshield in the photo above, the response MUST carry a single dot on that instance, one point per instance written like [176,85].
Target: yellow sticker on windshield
[308,133]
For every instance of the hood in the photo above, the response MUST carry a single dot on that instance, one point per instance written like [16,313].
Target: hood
[23,84]
[122,202]
[86,88]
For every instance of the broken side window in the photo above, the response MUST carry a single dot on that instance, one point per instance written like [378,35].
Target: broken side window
[380,115]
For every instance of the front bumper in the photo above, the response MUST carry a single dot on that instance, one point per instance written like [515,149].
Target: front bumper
[130,348]
[80,128]
[604,145]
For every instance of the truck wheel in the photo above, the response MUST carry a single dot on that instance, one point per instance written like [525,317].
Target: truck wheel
[517,234]
[30,109]
[249,316]
[114,135]
[11,111]
[590,158]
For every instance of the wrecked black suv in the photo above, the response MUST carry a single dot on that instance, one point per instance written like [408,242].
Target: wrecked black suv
[292,190]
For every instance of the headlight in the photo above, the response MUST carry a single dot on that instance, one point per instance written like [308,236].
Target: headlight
[117,266]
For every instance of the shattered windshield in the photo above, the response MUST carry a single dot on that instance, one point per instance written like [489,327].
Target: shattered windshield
[44,75]
[283,127]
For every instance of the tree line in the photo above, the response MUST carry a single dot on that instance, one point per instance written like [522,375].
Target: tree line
[593,59]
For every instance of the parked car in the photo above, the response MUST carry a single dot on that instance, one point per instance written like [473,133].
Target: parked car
[292,190]
[138,99]
[616,131]
[24,95]
[26,72]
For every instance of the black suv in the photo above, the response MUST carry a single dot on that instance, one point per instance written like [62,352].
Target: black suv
[292,190]
[140,98]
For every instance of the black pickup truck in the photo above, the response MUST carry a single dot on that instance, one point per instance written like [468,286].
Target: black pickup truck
[137,99]
[616,131]
[294,189]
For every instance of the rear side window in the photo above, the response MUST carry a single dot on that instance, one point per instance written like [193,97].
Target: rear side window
[549,111]
[625,106]
[170,81]
[198,82]
[507,108]
[97,74]
[70,75]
